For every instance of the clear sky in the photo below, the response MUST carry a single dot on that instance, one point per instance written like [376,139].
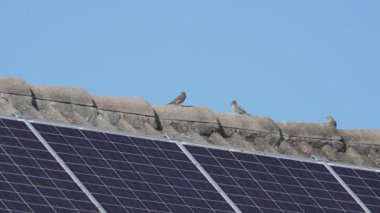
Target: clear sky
[289,60]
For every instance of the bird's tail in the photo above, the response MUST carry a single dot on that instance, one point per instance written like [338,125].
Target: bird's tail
[171,103]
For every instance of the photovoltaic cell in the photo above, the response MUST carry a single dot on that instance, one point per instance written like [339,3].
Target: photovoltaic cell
[257,183]
[30,178]
[127,174]
[365,184]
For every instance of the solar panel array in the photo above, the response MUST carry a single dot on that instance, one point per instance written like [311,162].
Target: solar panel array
[365,184]
[259,183]
[129,174]
[31,180]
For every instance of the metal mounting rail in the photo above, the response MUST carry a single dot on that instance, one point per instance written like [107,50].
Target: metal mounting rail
[208,177]
[65,167]
[347,188]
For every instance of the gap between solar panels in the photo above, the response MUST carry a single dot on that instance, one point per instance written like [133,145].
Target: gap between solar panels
[365,184]
[348,189]
[209,178]
[258,183]
[65,167]
[31,180]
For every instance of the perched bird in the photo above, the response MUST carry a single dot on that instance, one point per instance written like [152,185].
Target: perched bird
[331,121]
[179,99]
[237,108]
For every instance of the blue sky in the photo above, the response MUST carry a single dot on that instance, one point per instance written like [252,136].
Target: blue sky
[289,60]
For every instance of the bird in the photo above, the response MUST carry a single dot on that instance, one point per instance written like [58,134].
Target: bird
[238,108]
[179,99]
[331,121]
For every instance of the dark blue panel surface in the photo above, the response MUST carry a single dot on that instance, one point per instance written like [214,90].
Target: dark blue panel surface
[128,174]
[259,183]
[30,178]
[365,184]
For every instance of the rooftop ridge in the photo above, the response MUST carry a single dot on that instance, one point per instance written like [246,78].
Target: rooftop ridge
[73,105]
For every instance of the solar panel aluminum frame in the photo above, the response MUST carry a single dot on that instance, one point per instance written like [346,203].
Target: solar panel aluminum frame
[195,143]
[364,168]
[346,187]
[65,167]
[208,177]
[59,160]
[165,139]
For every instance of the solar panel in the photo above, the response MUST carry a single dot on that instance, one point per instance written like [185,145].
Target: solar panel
[30,178]
[127,174]
[365,184]
[257,183]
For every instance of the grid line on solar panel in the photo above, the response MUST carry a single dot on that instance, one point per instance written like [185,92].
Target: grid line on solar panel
[269,194]
[320,195]
[184,196]
[23,170]
[103,199]
[155,173]
[114,179]
[12,179]
[249,179]
[364,183]
[48,191]
[11,195]
[16,177]
[55,201]
[263,181]
[171,172]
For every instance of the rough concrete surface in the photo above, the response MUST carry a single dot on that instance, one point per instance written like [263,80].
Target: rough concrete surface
[63,94]
[14,86]
[131,105]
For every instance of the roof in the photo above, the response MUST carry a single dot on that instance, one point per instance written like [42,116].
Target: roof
[196,124]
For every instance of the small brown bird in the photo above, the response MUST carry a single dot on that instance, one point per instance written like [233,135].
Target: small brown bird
[331,121]
[237,108]
[179,99]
